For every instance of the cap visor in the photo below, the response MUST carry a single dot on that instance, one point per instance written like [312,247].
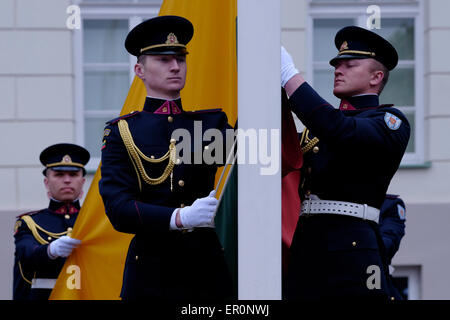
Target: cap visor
[346,56]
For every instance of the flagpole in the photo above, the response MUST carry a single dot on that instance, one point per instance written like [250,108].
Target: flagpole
[259,108]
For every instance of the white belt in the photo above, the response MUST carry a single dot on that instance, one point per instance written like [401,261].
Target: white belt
[351,209]
[41,283]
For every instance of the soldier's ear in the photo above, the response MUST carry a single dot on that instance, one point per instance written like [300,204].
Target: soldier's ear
[139,70]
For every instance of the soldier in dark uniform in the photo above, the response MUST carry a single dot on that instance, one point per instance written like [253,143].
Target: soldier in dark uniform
[42,238]
[158,193]
[350,156]
[392,229]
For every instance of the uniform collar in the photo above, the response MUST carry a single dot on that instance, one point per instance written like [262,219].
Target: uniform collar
[360,102]
[64,208]
[161,106]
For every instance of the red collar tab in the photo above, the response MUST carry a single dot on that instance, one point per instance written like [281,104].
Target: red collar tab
[67,209]
[345,106]
[168,107]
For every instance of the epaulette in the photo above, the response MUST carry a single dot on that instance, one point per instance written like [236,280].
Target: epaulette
[34,227]
[392,196]
[204,111]
[28,213]
[115,120]
[385,106]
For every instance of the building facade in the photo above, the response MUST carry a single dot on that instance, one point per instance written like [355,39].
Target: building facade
[62,75]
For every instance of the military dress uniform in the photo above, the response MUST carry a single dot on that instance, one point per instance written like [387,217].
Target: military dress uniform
[145,179]
[35,273]
[160,262]
[350,156]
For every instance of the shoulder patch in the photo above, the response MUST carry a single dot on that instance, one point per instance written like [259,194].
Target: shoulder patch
[115,120]
[393,122]
[401,212]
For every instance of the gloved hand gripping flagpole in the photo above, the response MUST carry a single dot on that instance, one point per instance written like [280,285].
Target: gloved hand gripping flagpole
[231,159]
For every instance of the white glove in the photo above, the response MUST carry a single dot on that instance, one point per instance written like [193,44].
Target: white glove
[288,69]
[200,213]
[62,247]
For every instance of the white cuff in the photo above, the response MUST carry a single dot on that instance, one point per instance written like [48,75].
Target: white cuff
[173,219]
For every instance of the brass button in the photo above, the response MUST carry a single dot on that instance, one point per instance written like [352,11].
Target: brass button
[392,298]
[181,183]
[354,243]
[137,257]
[49,238]
[173,140]
[206,147]
[152,157]
[182,205]
[69,230]
[178,161]
[316,149]
[67,216]
[170,119]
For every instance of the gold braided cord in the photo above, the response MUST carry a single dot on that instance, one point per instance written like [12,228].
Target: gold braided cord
[136,155]
[309,143]
[372,54]
[34,227]
[23,276]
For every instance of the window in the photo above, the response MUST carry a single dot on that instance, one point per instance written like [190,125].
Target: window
[104,70]
[401,25]
[407,281]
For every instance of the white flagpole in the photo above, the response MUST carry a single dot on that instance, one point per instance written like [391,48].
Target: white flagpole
[259,196]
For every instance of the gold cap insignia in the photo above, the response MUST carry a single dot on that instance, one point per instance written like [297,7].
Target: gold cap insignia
[66,159]
[344,46]
[172,39]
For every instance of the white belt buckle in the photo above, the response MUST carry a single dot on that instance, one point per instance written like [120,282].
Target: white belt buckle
[308,206]
[365,211]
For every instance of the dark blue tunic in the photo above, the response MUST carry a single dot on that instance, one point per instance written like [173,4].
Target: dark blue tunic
[162,263]
[360,148]
[30,258]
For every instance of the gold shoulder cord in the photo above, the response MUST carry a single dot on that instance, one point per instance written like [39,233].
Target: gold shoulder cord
[136,155]
[34,227]
[309,143]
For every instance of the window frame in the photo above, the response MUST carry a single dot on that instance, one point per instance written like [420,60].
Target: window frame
[412,273]
[357,11]
[134,13]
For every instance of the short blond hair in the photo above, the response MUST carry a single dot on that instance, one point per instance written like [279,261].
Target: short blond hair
[378,66]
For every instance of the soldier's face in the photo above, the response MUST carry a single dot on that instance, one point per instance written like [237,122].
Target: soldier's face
[353,77]
[164,75]
[65,186]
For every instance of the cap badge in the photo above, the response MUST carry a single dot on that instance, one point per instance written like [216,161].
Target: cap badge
[66,159]
[344,46]
[172,39]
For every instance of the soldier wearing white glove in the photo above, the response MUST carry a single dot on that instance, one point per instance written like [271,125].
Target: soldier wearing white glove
[62,247]
[199,214]
[290,76]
